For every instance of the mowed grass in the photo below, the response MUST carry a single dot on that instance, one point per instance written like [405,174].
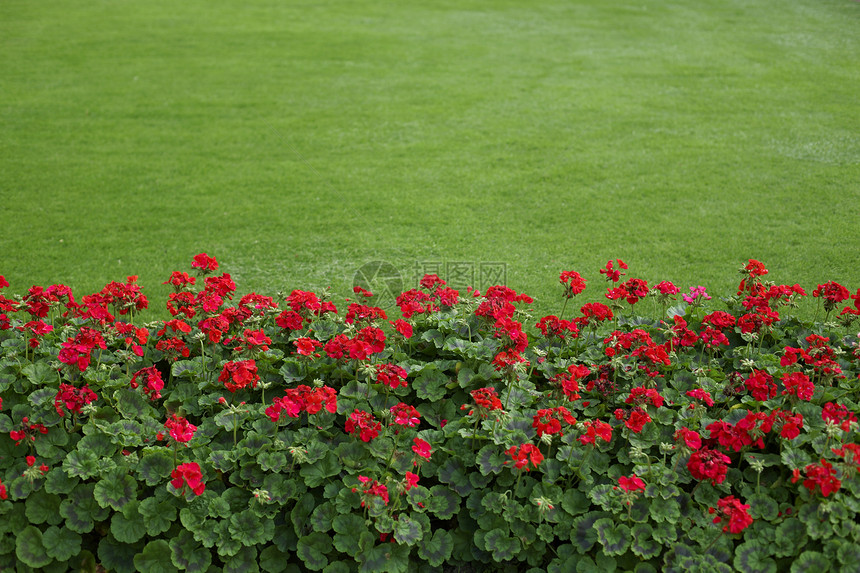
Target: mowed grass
[296,141]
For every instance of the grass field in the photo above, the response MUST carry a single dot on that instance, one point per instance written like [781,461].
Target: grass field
[296,141]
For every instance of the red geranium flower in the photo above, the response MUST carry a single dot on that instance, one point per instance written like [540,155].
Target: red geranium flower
[188,474]
[573,283]
[238,375]
[180,429]
[205,263]
[524,455]
[732,514]
[363,424]
[631,483]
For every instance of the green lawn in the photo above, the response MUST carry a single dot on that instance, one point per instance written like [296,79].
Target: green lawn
[296,141]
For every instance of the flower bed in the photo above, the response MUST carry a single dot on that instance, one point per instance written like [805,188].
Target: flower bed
[284,435]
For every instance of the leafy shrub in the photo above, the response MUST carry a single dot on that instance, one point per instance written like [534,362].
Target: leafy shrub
[285,436]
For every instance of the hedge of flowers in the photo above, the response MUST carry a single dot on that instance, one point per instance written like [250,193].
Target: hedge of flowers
[662,430]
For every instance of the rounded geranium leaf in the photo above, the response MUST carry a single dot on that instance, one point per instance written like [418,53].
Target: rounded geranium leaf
[312,550]
[374,558]
[42,507]
[81,463]
[117,556]
[61,543]
[582,534]
[30,549]
[502,545]
[754,555]
[407,530]
[322,517]
[762,506]
[271,461]
[273,560]
[115,491]
[430,384]
[98,444]
[575,502]
[188,554]
[132,404]
[157,516]
[490,460]
[443,502]
[316,473]
[128,527]
[155,466]
[58,482]
[453,474]
[437,549]
[251,530]
[6,424]
[810,562]
[245,561]
[227,546]
[81,510]
[642,542]
[155,558]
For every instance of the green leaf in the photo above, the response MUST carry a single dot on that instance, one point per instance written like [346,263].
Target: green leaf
[98,444]
[437,549]
[407,530]
[614,538]
[602,495]
[788,536]
[128,527]
[810,562]
[157,516]
[575,502]
[316,473]
[155,558]
[753,556]
[251,530]
[273,560]
[322,516]
[245,561]
[502,545]
[374,559]
[188,554]
[155,466]
[349,529]
[582,533]
[81,510]
[61,543]
[117,556]
[443,502]
[58,482]
[430,384]
[30,549]
[43,507]
[272,461]
[132,404]
[452,473]
[301,512]
[642,542]
[490,460]
[312,550]
[667,510]
[81,463]
[115,491]
[39,374]
[762,506]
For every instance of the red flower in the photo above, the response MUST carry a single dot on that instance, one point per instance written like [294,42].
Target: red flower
[732,514]
[405,415]
[701,395]
[290,320]
[611,273]
[573,283]
[188,474]
[637,420]
[306,346]
[798,384]
[3,494]
[180,429]
[430,281]
[421,448]
[238,375]
[833,293]
[594,313]
[153,384]
[548,421]
[839,415]
[760,385]
[709,464]
[372,489]
[391,375]
[364,424]
[73,399]
[411,480]
[631,483]
[819,476]
[691,438]
[486,400]
[403,327]
[596,429]
[642,395]
[205,263]
[508,359]
[524,455]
